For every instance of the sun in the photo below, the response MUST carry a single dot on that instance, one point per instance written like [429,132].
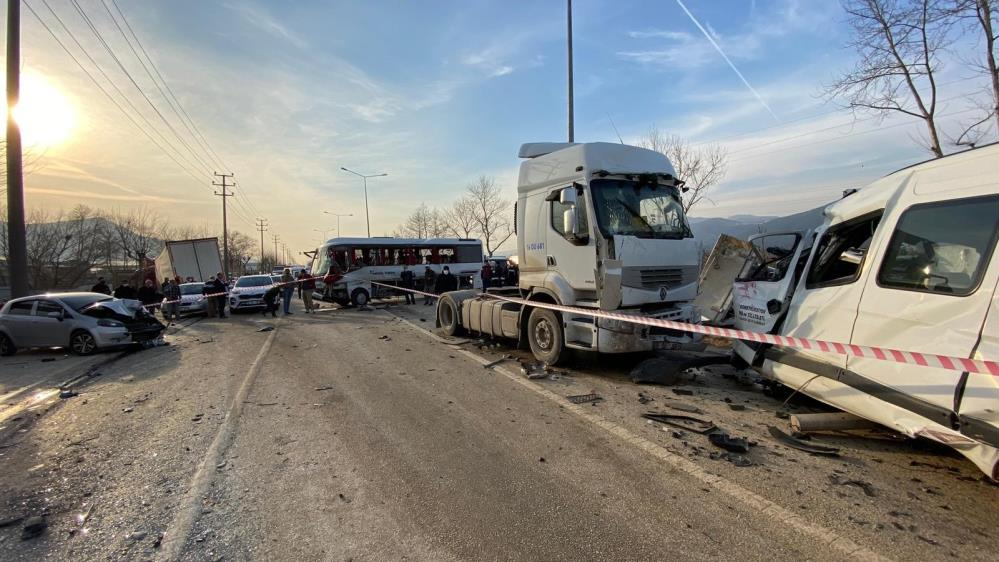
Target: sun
[45,115]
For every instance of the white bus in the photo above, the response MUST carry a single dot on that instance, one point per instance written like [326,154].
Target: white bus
[344,268]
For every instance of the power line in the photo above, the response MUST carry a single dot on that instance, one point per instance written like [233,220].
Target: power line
[103,90]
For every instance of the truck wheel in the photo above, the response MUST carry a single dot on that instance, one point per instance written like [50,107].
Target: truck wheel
[82,343]
[6,345]
[546,336]
[359,297]
[447,317]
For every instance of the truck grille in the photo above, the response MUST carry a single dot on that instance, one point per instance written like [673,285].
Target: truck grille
[654,278]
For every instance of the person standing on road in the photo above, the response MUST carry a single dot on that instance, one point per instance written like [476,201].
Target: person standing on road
[429,284]
[487,276]
[149,296]
[219,289]
[408,281]
[446,282]
[101,287]
[171,301]
[306,285]
[124,291]
[269,300]
[287,289]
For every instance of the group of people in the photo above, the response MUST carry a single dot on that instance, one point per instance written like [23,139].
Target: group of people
[166,297]
[305,283]
[442,283]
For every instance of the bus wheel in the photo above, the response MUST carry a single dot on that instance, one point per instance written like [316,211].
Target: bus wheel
[546,336]
[447,317]
[359,297]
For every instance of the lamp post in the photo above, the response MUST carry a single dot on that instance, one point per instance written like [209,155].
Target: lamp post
[367,215]
[338,215]
[324,231]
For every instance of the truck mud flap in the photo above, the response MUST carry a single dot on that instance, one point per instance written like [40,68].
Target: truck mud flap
[973,428]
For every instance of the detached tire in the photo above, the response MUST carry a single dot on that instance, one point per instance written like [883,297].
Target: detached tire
[448,317]
[546,336]
[6,345]
[82,343]
[360,297]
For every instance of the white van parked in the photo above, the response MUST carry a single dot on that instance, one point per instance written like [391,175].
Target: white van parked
[907,263]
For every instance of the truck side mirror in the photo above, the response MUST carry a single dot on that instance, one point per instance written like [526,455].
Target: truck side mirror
[569,224]
[568,197]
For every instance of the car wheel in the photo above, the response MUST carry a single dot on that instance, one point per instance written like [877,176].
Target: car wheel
[447,317]
[6,345]
[82,343]
[545,334]
[359,297]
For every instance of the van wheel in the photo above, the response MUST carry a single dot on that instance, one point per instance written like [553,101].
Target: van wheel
[546,336]
[6,345]
[82,343]
[447,317]
[359,297]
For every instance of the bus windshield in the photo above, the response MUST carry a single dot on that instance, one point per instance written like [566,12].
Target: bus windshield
[642,208]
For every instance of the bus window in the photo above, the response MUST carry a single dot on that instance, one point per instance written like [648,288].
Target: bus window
[447,255]
[469,254]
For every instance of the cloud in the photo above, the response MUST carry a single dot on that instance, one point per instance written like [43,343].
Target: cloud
[266,23]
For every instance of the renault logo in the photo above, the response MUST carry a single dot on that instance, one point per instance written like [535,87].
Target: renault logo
[663,291]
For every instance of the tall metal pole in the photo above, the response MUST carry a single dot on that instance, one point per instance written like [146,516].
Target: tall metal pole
[572,132]
[225,221]
[17,252]
[367,217]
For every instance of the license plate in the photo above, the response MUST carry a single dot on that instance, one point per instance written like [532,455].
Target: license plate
[252,301]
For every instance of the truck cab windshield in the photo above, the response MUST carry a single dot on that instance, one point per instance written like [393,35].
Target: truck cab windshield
[641,208]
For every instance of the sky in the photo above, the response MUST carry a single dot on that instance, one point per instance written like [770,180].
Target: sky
[435,94]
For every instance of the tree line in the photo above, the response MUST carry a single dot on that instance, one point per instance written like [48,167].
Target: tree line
[68,249]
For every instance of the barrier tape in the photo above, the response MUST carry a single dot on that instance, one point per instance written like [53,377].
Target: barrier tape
[980,366]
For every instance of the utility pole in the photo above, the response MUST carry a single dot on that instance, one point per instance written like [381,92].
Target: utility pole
[262,226]
[275,237]
[17,253]
[572,133]
[225,221]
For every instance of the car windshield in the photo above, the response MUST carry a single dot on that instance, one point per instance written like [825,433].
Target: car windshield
[79,302]
[642,208]
[254,281]
[192,289]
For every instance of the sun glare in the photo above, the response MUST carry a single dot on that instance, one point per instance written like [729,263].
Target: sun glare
[45,115]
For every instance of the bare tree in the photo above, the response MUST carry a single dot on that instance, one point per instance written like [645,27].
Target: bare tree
[979,16]
[700,168]
[139,233]
[898,42]
[492,213]
[460,217]
[418,225]
[241,249]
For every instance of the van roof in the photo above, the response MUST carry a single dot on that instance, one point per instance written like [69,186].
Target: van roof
[965,169]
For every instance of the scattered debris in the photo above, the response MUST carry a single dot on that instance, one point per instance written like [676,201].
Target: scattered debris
[867,487]
[689,423]
[737,407]
[137,536]
[158,541]
[682,391]
[343,497]
[542,459]
[535,370]
[385,338]
[129,378]
[126,410]
[829,421]
[644,398]
[264,329]
[492,364]
[10,522]
[68,394]
[583,398]
[656,371]
[729,443]
[33,527]
[318,388]
[48,359]
[683,407]
[737,460]
[801,445]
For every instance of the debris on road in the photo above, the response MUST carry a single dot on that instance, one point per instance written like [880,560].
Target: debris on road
[33,526]
[682,391]
[656,371]
[318,388]
[48,359]
[264,329]
[729,443]
[683,407]
[737,407]
[126,410]
[829,421]
[801,445]
[68,394]
[644,398]
[492,364]
[867,487]
[583,398]
[535,371]
[689,423]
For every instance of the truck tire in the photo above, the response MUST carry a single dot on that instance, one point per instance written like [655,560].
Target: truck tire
[360,297]
[448,317]
[546,336]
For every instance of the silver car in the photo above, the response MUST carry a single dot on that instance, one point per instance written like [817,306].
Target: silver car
[83,322]
[248,292]
[191,299]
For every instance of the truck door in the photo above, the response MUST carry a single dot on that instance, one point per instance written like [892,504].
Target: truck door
[929,291]
[824,305]
[573,257]
[762,289]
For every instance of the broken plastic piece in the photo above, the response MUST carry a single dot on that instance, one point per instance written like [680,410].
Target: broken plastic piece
[801,445]
[729,443]
[583,398]
[689,423]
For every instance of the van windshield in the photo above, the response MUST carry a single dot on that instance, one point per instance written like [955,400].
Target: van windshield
[641,208]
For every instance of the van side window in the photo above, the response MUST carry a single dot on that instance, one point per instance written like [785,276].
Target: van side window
[840,252]
[558,209]
[942,247]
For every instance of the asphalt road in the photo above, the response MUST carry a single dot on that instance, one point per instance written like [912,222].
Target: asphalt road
[357,435]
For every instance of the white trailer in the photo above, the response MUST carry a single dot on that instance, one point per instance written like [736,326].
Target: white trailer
[600,226]
[907,263]
[198,259]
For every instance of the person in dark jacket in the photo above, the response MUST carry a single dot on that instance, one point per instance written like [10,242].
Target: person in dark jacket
[149,296]
[408,281]
[429,284]
[219,289]
[306,286]
[101,287]
[487,275]
[445,282]
[125,291]
[270,300]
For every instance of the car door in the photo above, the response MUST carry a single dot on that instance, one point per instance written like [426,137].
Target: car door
[930,293]
[51,324]
[19,322]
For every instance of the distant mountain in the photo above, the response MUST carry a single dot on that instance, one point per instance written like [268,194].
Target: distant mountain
[707,230]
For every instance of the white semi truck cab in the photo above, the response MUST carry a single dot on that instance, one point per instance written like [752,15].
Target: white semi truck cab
[599,226]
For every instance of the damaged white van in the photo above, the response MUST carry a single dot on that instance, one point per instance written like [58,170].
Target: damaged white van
[907,263]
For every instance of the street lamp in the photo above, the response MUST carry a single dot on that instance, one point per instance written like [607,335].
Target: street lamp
[324,231]
[367,216]
[338,215]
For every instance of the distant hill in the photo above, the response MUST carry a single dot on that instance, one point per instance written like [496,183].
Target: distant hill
[707,230]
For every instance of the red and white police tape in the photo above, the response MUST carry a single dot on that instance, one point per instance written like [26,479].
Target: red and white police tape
[980,366]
